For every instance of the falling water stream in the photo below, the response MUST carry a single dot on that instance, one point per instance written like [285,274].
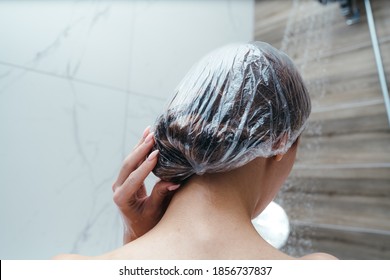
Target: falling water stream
[308,26]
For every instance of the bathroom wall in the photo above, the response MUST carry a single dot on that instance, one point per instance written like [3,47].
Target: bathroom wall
[79,82]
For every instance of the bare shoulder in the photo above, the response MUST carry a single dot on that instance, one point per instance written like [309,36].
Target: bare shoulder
[319,256]
[71,257]
[120,253]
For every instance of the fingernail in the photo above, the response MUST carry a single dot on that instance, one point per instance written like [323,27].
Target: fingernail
[146,132]
[149,138]
[173,187]
[153,155]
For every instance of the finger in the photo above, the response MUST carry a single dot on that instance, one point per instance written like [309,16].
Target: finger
[120,178]
[144,135]
[135,180]
[161,191]
[133,160]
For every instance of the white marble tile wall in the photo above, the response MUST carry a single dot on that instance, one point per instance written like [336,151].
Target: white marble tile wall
[79,81]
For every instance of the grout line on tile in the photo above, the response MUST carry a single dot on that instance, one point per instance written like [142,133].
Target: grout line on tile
[41,72]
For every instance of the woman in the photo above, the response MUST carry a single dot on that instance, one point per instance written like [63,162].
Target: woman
[223,148]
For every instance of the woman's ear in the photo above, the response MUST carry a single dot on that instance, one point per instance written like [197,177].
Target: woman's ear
[280,145]
[279,157]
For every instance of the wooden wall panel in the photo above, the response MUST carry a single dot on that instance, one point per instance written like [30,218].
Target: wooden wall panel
[346,243]
[338,195]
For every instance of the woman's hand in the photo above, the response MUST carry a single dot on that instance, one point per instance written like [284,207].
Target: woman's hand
[140,212]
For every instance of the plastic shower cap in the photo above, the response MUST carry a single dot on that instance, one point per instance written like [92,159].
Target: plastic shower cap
[238,103]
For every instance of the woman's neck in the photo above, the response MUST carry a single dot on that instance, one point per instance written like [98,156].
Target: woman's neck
[206,203]
[211,205]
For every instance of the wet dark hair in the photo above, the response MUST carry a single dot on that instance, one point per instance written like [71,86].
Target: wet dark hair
[236,105]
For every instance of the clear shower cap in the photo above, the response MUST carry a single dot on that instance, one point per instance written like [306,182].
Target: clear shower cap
[238,103]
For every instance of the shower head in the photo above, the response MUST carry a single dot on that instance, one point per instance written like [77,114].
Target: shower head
[349,9]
